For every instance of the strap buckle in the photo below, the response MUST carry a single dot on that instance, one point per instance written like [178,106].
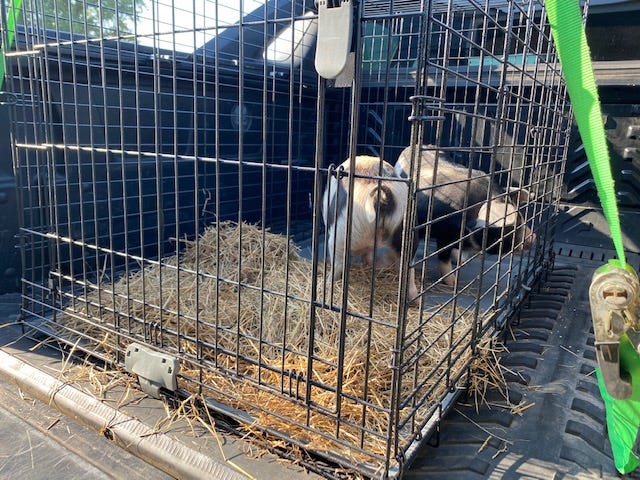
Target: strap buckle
[614,297]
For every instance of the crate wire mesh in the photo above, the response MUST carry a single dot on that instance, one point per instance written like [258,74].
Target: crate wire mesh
[171,160]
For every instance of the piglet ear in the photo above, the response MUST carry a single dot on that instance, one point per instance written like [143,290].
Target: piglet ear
[476,224]
[519,195]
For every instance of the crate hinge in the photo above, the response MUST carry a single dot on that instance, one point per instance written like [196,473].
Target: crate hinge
[8,98]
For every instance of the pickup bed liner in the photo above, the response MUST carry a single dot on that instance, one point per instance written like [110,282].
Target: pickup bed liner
[549,367]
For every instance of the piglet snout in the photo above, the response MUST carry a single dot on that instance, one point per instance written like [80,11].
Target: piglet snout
[530,240]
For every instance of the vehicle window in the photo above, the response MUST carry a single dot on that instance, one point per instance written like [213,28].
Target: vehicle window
[613,36]
[187,26]
[96,18]
[297,39]
[179,26]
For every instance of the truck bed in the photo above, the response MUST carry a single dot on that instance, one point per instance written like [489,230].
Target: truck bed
[557,429]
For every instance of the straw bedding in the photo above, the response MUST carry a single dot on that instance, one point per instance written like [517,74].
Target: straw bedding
[219,281]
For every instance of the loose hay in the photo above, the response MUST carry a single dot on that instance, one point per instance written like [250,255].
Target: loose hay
[253,332]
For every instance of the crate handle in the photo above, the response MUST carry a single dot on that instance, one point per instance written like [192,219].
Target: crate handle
[335,27]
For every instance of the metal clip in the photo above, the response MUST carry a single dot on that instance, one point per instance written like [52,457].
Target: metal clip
[8,98]
[155,370]
[335,26]
[614,297]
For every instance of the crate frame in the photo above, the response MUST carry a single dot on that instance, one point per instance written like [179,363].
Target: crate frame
[39,154]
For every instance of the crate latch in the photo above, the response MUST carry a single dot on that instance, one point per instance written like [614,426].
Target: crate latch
[8,98]
[155,370]
[335,26]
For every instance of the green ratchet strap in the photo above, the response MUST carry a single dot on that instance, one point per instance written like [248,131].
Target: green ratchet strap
[568,33]
[15,8]
[614,291]
[623,416]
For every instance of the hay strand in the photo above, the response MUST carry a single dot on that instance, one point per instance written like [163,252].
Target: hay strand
[238,302]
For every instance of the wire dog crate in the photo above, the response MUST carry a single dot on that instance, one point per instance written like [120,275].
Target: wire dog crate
[172,159]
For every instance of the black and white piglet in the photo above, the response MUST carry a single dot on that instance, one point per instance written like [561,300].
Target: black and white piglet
[505,227]
[373,198]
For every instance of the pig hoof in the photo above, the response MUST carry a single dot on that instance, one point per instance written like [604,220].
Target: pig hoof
[449,281]
[412,297]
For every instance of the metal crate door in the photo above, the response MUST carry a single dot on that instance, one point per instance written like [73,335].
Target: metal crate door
[489,132]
